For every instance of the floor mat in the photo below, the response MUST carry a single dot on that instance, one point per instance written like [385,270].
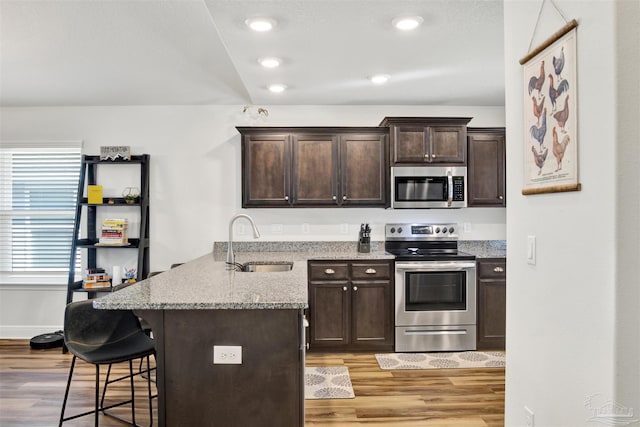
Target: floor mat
[327,382]
[442,360]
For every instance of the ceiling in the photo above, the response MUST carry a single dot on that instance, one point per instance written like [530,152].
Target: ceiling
[199,52]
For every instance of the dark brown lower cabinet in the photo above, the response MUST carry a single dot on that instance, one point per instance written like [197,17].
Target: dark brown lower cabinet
[267,388]
[351,305]
[492,303]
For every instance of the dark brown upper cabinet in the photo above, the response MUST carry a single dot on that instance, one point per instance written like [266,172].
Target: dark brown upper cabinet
[314,167]
[266,169]
[424,140]
[486,167]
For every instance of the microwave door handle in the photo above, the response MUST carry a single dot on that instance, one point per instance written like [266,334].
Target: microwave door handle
[449,188]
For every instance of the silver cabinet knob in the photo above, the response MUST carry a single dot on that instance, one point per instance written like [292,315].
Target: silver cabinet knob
[498,269]
[370,271]
[433,156]
[286,197]
[344,288]
[329,271]
[355,288]
[501,197]
[426,156]
[335,197]
[344,197]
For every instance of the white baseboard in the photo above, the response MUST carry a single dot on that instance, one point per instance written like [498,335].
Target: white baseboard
[26,332]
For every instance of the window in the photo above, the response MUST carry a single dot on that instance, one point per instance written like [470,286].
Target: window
[38,191]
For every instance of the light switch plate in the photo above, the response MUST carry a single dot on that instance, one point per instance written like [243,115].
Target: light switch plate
[227,355]
[531,250]
[529,418]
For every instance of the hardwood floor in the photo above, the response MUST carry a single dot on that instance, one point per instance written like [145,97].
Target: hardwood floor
[32,386]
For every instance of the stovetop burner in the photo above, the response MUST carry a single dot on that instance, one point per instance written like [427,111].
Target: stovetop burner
[433,256]
[424,242]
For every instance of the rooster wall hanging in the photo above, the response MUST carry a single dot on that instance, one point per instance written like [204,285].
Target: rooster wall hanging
[550,112]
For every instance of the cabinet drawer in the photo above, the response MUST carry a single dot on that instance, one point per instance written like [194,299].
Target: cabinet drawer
[328,271]
[494,268]
[370,270]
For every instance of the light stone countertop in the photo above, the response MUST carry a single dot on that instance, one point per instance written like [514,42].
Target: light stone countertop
[205,284]
[484,248]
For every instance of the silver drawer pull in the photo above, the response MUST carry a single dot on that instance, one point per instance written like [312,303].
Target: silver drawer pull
[329,271]
[355,288]
[498,269]
[344,288]
[370,271]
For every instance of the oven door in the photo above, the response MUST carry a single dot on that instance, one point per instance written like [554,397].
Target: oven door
[433,293]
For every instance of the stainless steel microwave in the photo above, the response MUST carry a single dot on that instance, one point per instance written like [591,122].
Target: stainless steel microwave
[424,187]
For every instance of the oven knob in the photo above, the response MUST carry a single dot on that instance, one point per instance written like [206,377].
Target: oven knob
[393,230]
[437,230]
[444,230]
[451,230]
[399,229]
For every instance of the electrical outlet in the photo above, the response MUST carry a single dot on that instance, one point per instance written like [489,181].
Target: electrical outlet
[240,228]
[306,229]
[466,226]
[529,418]
[227,355]
[276,228]
[344,228]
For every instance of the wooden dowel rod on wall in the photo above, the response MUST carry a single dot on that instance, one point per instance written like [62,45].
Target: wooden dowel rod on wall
[561,32]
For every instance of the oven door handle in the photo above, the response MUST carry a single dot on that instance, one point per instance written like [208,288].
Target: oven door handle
[436,266]
[436,332]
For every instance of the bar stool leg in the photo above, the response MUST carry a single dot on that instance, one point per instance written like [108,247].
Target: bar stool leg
[66,392]
[97,412]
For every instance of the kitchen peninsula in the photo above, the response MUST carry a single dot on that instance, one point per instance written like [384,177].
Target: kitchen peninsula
[199,305]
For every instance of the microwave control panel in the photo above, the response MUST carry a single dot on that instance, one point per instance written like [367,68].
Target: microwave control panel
[458,188]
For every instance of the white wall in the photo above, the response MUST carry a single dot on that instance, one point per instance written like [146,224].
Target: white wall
[195,180]
[572,319]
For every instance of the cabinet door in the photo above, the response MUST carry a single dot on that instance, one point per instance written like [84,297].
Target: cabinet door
[266,170]
[329,314]
[447,144]
[371,314]
[491,304]
[363,170]
[487,169]
[315,169]
[409,145]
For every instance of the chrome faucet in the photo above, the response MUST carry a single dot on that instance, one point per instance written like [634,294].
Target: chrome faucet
[231,258]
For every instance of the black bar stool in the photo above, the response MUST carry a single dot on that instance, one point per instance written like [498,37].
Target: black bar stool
[105,337]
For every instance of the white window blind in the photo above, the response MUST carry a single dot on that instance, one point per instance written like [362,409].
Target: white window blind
[38,190]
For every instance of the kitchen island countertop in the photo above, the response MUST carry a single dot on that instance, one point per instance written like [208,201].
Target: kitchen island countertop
[205,284]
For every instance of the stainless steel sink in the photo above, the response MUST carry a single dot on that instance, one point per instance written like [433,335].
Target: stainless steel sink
[267,266]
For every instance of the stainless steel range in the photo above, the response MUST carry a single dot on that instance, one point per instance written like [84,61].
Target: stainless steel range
[435,288]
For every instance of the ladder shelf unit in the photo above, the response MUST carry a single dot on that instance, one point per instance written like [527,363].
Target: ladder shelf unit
[86,220]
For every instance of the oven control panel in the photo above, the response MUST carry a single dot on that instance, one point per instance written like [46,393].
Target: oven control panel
[434,231]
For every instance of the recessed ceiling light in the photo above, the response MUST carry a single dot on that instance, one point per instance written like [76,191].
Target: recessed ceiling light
[260,24]
[379,79]
[270,62]
[407,22]
[277,88]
